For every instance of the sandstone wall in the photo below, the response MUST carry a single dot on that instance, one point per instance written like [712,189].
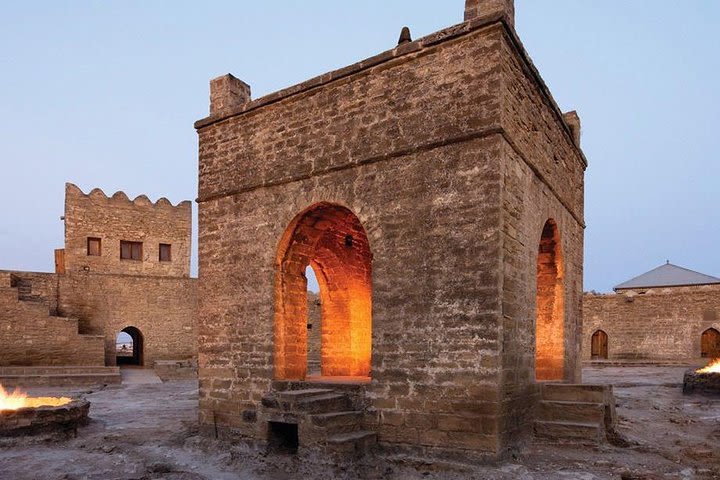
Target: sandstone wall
[543,179]
[117,218]
[162,308]
[74,319]
[407,145]
[31,336]
[453,155]
[660,324]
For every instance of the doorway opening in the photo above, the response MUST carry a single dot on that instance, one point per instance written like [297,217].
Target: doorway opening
[550,311]
[330,239]
[129,347]
[599,346]
[710,343]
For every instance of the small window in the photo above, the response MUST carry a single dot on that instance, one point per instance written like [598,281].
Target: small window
[130,250]
[165,252]
[93,246]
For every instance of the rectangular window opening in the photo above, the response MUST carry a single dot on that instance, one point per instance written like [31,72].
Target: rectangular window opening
[283,437]
[165,252]
[93,246]
[130,250]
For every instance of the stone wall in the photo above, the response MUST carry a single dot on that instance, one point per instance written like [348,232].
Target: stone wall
[74,319]
[162,308]
[659,324]
[117,218]
[31,336]
[422,144]
[542,180]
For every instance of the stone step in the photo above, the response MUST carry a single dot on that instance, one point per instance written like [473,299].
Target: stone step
[323,403]
[576,432]
[60,380]
[570,392]
[59,370]
[295,395]
[338,422]
[358,442]
[583,412]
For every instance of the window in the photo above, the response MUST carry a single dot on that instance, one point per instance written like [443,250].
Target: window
[93,246]
[165,255]
[130,250]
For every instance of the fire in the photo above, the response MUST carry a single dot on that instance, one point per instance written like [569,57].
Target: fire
[712,367]
[19,399]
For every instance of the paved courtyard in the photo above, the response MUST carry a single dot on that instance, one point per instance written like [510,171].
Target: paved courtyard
[147,430]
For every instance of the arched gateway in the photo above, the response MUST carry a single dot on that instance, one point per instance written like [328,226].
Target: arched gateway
[329,238]
[130,353]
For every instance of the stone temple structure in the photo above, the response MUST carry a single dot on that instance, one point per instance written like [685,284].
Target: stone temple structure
[437,191]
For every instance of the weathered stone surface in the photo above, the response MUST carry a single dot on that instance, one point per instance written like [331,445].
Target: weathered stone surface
[73,317]
[707,383]
[452,156]
[652,324]
[29,421]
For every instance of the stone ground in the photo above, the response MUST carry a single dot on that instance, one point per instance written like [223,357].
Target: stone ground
[146,430]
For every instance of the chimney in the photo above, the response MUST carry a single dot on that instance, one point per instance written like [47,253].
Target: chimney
[573,121]
[227,93]
[486,8]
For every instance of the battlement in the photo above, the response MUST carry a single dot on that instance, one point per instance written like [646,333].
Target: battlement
[117,235]
[97,194]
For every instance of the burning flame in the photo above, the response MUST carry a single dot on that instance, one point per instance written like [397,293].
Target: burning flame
[712,367]
[19,399]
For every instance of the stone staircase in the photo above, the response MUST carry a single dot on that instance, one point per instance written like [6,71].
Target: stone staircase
[328,419]
[576,413]
[37,337]
[25,290]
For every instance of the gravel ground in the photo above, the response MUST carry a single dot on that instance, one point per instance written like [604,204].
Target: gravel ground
[148,431]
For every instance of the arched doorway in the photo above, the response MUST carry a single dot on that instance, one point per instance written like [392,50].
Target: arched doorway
[331,240]
[129,347]
[550,311]
[710,343]
[599,345]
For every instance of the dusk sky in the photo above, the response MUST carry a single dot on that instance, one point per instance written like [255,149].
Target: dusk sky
[104,94]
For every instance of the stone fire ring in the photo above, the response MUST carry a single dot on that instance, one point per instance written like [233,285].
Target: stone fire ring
[707,383]
[46,419]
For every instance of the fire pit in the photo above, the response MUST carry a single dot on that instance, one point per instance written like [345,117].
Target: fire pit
[704,380]
[23,415]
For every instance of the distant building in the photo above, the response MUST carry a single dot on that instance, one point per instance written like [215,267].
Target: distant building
[668,313]
[125,268]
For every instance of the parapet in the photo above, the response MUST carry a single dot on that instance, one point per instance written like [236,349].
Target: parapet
[119,198]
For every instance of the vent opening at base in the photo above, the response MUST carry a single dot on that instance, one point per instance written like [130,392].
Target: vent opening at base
[283,437]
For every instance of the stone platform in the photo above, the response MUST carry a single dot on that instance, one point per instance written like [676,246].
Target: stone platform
[68,376]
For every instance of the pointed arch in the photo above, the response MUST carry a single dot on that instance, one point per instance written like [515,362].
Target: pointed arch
[550,306]
[329,238]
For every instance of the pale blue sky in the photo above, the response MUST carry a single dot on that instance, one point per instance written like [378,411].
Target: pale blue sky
[104,94]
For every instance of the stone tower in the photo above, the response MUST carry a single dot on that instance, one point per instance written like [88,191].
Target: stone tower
[437,191]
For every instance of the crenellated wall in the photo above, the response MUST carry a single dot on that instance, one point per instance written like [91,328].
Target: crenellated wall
[117,218]
[73,317]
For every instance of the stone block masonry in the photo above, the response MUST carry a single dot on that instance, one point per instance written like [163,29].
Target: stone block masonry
[74,316]
[111,221]
[448,159]
[656,325]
